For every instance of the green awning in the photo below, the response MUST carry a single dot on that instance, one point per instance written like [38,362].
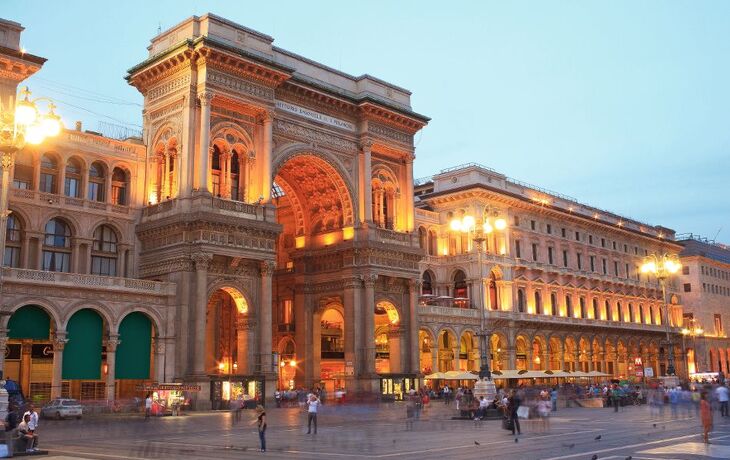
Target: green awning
[133,353]
[82,354]
[30,322]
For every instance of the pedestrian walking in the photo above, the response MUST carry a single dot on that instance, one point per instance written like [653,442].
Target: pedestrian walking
[237,408]
[513,403]
[722,394]
[312,407]
[554,399]
[705,417]
[147,406]
[261,423]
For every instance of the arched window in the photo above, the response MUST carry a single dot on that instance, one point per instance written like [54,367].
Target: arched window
[520,300]
[632,316]
[583,312]
[49,174]
[460,289]
[119,187]
[426,287]
[422,238]
[23,171]
[215,167]
[596,313]
[96,182]
[493,293]
[553,303]
[642,314]
[72,185]
[13,241]
[384,188]
[104,252]
[452,243]
[57,246]
[235,176]
[621,316]
[432,243]
[658,316]
[607,311]
[538,303]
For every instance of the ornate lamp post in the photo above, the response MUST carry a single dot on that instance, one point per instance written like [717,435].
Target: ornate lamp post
[663,266]
[479,233]
[18,127]
[693,331]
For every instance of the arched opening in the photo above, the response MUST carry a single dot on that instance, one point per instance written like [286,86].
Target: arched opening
[49,174]
[72,184]
[228,346]
[569,306]
[332,348]
[215,170]
[583,312]
[538,354]
[468,352]
[611,359]
[166,174]
[556,353]
[493,292]
[432,243]
[57,246]
[388,348]
[622,358]
[596,312]
[584,350]
[426,352]
[134,362]
[520,300]
[29,352]
[120,186]
[13,241]
[97,182]
[422,238]
[570,354]
[597,356]
[498,349]
[427,284]
[461,290]
[287,364]
[82,355]
[385,188]
[607,311]
[446,348]
[104,251]
[23,171]
[553,304]
[521,349]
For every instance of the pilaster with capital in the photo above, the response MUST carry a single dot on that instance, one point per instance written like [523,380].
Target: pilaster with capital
[111,361]
[414,290]
[368,319]
[202,263]
[59,343]
[267,118]
[205,98]
[265,317]
[367,192]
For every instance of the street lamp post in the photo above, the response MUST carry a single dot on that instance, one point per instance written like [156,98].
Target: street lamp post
[18,127]
[663,266]
[467,224]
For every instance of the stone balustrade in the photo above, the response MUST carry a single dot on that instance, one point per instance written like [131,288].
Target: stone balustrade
[67,202]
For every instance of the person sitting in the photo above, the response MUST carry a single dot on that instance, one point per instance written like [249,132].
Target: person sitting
[27,434]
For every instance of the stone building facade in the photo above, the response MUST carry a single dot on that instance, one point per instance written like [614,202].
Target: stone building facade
[561,281]
[705,287]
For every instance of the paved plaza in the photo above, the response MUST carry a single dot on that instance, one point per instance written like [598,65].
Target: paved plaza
[381,432]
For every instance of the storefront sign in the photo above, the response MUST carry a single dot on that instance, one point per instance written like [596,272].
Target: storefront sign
[316,116]
[167,387]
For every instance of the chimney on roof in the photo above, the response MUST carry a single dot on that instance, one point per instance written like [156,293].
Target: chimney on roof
[78,126]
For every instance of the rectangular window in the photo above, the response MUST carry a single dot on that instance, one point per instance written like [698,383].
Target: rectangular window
[718,325]
[20,184]
[562,232]
[593,263]
[636,250]
[685,270]
[549,229]
[565,258]
[518,252]
[590,239]
[56,261]
[550,255]
[517,221]
[104,266]
[626,248]
[628,274]
[71,188]
[615,268]
[577,236]
[603,242]
[533,224]
[614,245]
[11,257]
[48,183]
[534,252]
[119,194]
[579,259]
[687,287]
[287,312]
[603,265]
[94,192]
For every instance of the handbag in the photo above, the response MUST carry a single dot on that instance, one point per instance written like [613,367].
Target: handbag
[508,424]
[523,412]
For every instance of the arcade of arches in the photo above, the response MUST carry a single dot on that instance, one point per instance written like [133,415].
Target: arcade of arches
[85,358]
[447,350]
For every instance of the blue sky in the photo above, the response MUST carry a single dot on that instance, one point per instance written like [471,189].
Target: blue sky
[622,105]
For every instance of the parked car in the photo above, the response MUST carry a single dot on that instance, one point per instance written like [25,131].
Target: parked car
[62,408]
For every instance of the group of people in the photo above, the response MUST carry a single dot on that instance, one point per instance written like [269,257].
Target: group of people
[23,429]
[300,396]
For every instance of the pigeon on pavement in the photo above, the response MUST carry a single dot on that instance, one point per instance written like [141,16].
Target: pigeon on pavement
[597,438]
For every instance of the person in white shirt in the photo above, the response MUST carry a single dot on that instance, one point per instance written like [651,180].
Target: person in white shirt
[722,395]
[26,432]
[312,406]
[147,406]
[33,423]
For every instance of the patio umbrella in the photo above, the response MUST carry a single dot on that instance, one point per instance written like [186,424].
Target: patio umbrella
[435,376]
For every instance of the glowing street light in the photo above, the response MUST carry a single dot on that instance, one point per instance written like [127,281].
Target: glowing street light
[663,266]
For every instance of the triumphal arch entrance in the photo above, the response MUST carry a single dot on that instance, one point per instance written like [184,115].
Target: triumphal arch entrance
[280,201]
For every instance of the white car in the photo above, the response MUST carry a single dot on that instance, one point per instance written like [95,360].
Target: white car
[62,408]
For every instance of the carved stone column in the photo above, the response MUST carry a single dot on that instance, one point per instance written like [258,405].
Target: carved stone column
[111,362]
[265,325]
[244,325]
[160,350]
[368,321]
[3,345]
[59,342]
[410,213]
[435,356]
[414,288]
[368,179]
[26,349]
[202,164]
[394,349]
[268,120]
[202,262]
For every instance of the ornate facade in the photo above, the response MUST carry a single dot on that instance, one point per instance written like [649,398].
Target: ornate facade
[561,282]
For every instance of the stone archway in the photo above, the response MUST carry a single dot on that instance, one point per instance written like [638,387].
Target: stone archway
[228,338]
[388,349]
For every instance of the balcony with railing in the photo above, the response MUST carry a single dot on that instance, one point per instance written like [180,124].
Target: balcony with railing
[66,202]
[80,281]
[208,203]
